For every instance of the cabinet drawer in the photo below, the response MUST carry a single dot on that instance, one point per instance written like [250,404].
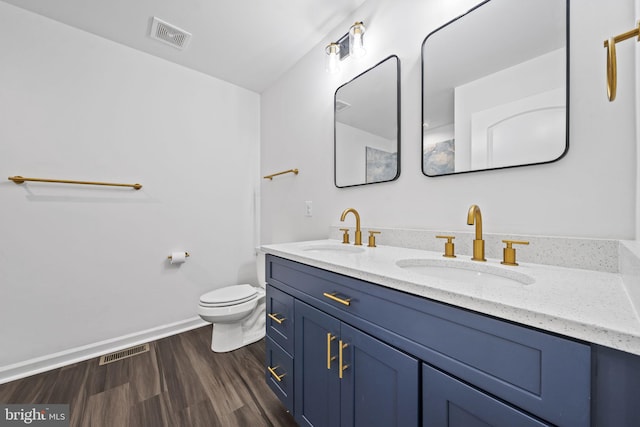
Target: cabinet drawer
[544,374]
[279,307]
[447,402]
[279,373]
[335,291]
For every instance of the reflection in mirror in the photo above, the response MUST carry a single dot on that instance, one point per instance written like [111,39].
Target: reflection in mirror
[366,127]
[494,88]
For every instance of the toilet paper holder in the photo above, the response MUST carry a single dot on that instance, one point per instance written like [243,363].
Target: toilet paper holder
[186,254]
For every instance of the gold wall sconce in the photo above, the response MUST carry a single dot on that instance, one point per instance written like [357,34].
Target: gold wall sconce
[351,44]
[612,66]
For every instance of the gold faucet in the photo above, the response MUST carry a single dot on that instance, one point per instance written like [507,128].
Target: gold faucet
[358,232]
[475,216]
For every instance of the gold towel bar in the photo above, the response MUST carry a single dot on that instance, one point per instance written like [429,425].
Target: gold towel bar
[19,180]
[612,66]
[295,171]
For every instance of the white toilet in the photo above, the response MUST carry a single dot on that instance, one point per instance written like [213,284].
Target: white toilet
[237,313]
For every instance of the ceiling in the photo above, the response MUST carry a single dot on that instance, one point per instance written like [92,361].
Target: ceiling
[250,43]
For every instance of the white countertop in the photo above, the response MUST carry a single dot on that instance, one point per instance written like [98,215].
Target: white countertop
[589,305]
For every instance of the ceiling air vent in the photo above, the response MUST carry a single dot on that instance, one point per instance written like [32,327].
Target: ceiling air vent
[341,105]
[169,34]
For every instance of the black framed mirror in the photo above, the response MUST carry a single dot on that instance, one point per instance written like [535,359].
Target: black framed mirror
[367,126]
[495,88]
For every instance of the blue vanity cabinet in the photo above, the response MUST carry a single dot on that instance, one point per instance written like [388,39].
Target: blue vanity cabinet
[394,342]
[344,377]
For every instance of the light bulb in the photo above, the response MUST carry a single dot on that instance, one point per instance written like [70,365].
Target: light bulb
[333,53]
[356,40]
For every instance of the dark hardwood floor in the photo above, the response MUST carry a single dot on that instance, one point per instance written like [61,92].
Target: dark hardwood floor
[179,382]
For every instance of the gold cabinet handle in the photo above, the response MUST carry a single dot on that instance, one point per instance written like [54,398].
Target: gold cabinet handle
[274,317]
[341,366]
[509,253]
[330,358]
[273,373]
[332,296]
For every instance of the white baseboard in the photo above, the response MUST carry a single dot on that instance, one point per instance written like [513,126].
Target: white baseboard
[78,354]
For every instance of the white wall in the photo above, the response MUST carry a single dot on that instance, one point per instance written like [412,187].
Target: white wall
[589,193]
[81,264]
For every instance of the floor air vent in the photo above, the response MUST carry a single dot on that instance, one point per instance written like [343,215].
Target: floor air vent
[169,34]
[123,354]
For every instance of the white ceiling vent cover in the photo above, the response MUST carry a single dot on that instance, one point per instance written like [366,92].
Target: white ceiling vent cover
[169,34]
[341,105]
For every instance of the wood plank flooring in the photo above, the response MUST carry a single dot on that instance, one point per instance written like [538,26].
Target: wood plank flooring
[179,382]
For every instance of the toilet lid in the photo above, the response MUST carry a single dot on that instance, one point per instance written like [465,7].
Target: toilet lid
[229,295]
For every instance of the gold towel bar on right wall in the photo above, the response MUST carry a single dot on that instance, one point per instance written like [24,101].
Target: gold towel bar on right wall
[612,67]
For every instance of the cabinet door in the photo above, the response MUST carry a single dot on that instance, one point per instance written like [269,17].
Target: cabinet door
[279,310]
[448,402]
[379,386]
[317,386]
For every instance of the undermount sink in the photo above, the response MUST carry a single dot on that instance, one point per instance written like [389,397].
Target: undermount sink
[337,248]
[463,271]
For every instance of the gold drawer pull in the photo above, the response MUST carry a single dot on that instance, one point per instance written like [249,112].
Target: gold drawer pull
[274,317]
[341,366]
[276,376]
[332,296]
[329,357]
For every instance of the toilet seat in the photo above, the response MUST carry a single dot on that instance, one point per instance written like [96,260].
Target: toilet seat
[228,296]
